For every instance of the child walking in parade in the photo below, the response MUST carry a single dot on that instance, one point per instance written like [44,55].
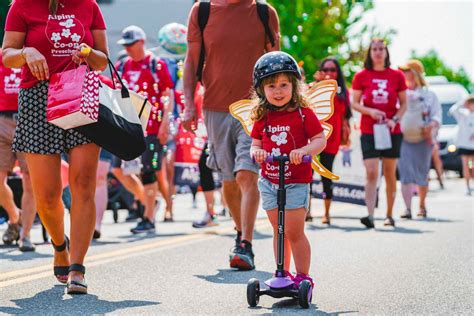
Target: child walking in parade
[285,125]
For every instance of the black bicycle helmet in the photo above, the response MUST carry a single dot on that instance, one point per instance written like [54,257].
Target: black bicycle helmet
[272,63]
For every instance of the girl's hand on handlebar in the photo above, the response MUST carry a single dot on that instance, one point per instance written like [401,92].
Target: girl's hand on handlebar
[259,155]
[296,156]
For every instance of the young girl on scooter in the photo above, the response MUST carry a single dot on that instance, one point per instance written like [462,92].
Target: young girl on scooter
[285,125]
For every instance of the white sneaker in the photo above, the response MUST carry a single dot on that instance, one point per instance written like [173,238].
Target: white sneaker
[207,221]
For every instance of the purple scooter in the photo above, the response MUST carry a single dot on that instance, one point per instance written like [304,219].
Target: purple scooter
[281,285]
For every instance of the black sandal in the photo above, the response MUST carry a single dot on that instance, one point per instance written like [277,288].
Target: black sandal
[77,287]
[61,272]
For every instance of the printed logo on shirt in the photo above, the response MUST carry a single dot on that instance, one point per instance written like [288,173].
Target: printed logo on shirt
[65,32]
[12,82]
[380,94]
[280,138]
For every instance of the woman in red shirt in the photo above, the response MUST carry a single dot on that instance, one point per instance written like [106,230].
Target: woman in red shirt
[330,69]
[43,39]
[379,93]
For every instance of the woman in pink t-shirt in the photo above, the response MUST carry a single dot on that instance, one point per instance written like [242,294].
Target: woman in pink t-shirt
[43,39]
[379,93]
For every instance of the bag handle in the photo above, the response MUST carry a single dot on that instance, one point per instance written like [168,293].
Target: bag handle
[124,90]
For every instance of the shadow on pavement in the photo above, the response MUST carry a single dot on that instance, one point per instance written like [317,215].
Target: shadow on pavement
[290,306]
[139,237]
[346,229]
[229,276]
[16,255]
[52,302]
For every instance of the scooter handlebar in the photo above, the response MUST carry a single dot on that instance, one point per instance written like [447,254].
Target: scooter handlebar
[271,158]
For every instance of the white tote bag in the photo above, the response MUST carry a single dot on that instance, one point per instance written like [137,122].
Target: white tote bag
[382,137]
[132,167]
[142,106]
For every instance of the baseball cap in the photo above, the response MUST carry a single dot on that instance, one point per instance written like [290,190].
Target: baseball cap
[413,64]
[131,34]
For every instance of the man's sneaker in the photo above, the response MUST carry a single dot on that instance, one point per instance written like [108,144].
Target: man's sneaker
[389,222]
[407,214]
[145,226]
[243,258]
[135,213]
[233,250]
[208,221]
[12,234]
[25,244]
[367,222]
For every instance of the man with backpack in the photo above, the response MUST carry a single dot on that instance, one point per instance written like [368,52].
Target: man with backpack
[225,39]
[148,75]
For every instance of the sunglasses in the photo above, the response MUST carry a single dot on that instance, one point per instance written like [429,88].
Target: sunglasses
[328,69]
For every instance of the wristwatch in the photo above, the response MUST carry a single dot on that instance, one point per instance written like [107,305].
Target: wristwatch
[395,119]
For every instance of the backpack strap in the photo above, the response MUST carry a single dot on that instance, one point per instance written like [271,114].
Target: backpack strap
[262,10]
[203,16]
[153,67]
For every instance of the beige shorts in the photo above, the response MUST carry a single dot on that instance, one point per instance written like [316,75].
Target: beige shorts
[229,145]
[7,156]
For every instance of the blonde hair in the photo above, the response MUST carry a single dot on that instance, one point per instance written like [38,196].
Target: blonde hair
[260,108]
[419,78]
[469,99]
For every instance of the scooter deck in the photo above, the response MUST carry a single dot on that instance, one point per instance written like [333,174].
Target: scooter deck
[279,293]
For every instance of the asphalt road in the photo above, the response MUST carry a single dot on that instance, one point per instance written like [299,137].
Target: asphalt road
[419,267]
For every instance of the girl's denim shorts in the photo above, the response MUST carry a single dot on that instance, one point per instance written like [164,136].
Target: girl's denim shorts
[297,195]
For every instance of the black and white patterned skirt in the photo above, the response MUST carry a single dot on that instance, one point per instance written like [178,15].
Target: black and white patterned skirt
[33,133]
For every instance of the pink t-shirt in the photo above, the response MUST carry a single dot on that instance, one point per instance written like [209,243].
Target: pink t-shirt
[9,87]
[280,133]
[379,91]
[139,77]
[54,36]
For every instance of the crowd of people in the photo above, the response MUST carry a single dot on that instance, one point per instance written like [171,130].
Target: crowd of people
[194,75]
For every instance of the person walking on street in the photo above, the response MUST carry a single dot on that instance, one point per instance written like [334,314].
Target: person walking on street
[225,39]
[419,126]
[43,37]
[463,112]
[9,86]
[376,91]
[330,69]
[148,75]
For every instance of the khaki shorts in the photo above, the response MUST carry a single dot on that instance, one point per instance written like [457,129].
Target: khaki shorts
[7,156]
[229,145]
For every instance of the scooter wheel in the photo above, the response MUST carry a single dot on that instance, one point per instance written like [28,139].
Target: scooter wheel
[253,289]
[305,294]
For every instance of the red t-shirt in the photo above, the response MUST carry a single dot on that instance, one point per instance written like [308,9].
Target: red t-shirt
[380,91]
[139,77]
[286,131]
[334,141]
[54,36]
[9,86]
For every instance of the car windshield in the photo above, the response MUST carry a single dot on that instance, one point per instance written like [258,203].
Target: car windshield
[448,119]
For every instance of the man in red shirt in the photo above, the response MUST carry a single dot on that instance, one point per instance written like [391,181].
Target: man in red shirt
[9,87]
[234,38]
[148,75]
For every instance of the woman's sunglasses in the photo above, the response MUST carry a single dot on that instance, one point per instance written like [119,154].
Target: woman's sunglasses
[328,69]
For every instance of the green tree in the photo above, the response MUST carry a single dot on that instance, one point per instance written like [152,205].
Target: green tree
[435,66]
[4,4]
[314,29]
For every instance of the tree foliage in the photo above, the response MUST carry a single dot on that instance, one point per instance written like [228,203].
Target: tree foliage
[314,29]
[4,5]
[435,66]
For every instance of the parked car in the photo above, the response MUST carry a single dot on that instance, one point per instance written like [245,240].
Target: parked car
[448,93]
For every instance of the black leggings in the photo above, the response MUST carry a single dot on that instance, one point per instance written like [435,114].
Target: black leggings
[327,161]
[207,180]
